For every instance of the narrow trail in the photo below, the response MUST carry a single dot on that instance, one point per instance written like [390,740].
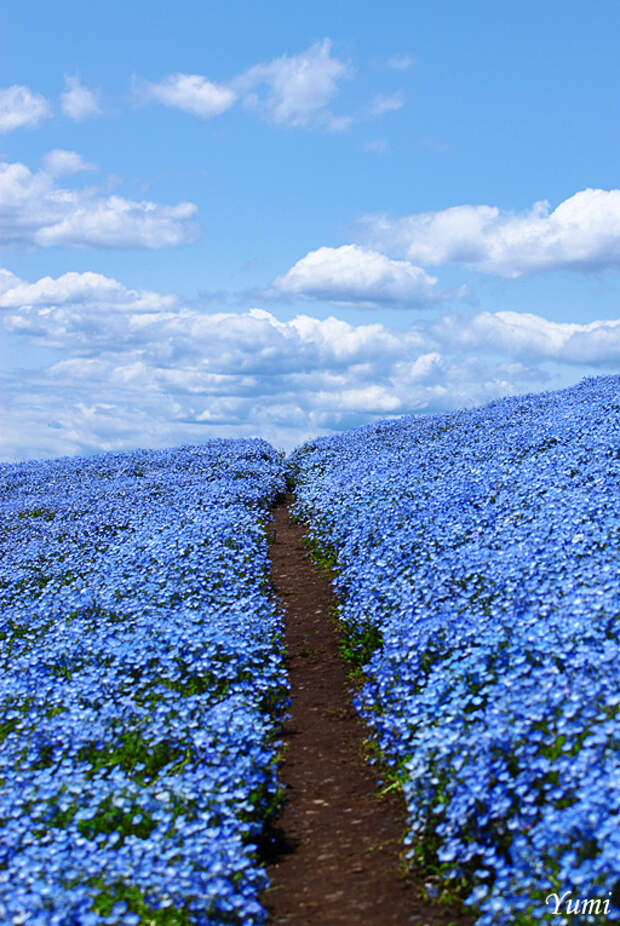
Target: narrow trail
[340,843]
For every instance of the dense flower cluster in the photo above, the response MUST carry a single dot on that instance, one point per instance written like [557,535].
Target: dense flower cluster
[481,548]
[140,672]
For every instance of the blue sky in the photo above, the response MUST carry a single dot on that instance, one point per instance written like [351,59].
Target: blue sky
[283,220]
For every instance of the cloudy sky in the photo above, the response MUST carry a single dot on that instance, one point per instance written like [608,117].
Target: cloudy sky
[279,219]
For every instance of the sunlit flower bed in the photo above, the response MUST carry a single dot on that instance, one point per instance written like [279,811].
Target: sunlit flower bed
[140,674]
[482,548]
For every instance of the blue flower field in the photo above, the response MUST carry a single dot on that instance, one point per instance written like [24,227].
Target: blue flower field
[141,679]
[477,566]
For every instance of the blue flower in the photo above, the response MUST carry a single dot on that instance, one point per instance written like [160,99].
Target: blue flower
[482,547]
[142,673]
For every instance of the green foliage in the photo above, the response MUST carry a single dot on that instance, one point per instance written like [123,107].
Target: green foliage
[357,644]
[323,557]
[135,756]
[136,902]
[46,513]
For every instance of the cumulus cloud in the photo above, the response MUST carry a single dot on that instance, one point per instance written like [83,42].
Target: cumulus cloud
[292,90]
[19,106]
[34,211]
[386,103]
[525,336]
[77,101]
[82,312]
[400,62]
[191,93]
[354,275]
[582,233]
[295,90]
[137,368]
[91,291]
[59,161]
[8,280]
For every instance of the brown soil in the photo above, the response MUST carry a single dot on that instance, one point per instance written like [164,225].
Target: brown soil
[336,854]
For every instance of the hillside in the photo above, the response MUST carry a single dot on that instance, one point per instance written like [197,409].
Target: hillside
[477,559]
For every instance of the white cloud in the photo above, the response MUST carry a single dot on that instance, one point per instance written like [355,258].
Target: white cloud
[136,368]
[525,336]
[292,90]
[191,93]
[337,123]
[79,311]
[350,274]
[295,90]
[82,289]
[59,161]
[582,233]
[400,62]
[384,103]
[34,211]
[19,106]
[77,101]
[8,280]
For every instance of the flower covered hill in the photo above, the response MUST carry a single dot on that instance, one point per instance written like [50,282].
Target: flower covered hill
[141,671]
[478,553]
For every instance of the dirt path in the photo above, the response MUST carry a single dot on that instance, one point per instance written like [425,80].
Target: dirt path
[339,850]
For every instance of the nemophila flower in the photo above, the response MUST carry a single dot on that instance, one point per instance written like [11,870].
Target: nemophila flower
[141,674]
[479,550]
